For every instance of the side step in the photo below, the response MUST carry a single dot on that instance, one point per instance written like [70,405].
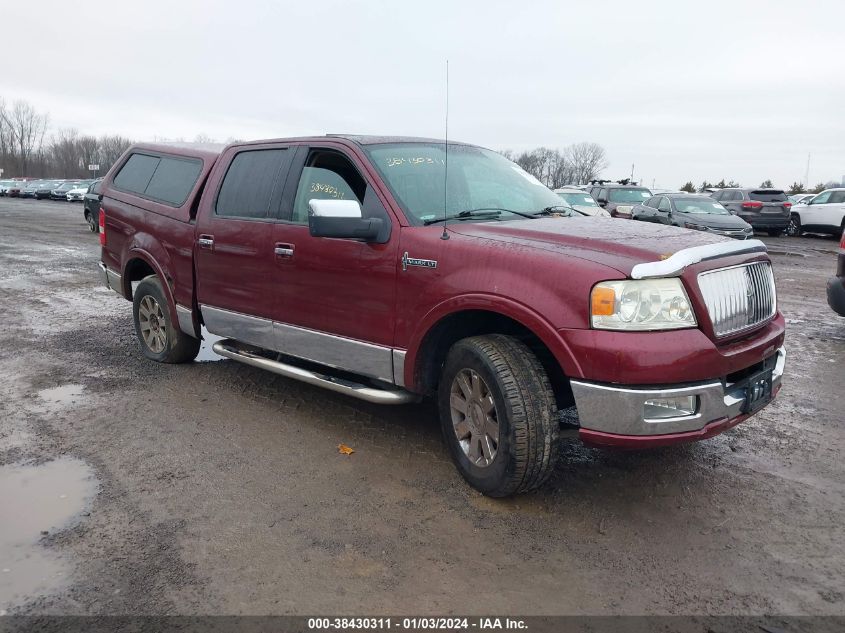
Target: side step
[230,349]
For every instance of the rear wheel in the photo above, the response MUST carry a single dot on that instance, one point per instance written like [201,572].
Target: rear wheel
[498,415]
[92,223]
[161,339]
[794,228]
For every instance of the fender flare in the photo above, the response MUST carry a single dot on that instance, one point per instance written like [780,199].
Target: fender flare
[135,252]
[515,310]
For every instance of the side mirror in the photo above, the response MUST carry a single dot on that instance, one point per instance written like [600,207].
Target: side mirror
[341,219]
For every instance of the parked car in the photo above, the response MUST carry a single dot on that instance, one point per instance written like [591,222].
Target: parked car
[764,209]
[77,194]
[12,189]
[60,192]
[617,199]
[331,260]
[581,201]
[6,185]
[800,198]
[824,213]
[91,204]
[836,285]
[693,211]
[45,187]
[30,189]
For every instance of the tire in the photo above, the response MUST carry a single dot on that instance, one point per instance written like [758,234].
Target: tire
[160,340]
[515,386]
[794,227]
[92,224]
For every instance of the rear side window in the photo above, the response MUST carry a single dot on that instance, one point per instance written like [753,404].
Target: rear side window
[173,180]
[837,197]
[162,178]
[767,196]
[250,182]
[135,175]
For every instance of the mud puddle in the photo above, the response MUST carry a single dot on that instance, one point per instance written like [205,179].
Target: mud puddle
[35,502]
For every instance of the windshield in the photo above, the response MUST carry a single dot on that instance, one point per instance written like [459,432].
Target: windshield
[703,205]
[478,179]
[625,194]
[581,198]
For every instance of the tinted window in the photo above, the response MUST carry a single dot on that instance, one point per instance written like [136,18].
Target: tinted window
[626,194]
[173,180]
[250,182]
[767,196]
[837,196]
[664,204]
[136,173]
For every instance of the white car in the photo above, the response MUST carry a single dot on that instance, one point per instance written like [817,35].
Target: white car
[801,198]
[582,202]
[824,213]
[77,194]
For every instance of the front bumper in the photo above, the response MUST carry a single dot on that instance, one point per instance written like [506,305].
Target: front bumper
[612,415]
[836,294]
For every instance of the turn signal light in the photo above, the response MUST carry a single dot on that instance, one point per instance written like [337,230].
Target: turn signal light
[603,301]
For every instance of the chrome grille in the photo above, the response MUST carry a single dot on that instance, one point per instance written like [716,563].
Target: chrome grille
[739,297]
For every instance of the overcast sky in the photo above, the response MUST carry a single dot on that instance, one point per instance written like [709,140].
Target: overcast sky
[684,90]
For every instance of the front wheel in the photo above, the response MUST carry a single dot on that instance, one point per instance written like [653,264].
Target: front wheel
[498,415]
[161,339]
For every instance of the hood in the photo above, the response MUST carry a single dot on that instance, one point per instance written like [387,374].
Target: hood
[712,220]
[619,244]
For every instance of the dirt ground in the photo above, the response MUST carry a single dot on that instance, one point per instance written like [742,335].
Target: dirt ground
[129,487]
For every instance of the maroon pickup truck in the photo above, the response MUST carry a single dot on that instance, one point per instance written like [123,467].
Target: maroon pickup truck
[389,269]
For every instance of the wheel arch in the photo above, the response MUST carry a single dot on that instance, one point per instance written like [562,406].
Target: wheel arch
[471,316]
[141,264]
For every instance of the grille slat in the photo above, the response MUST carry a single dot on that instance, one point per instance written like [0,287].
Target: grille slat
[740,297]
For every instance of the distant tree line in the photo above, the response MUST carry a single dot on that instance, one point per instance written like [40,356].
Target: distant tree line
[27,150]
[796,187]
[574,164]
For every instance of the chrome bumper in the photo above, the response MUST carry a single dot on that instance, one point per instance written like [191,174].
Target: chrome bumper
[621,410]
[111,279]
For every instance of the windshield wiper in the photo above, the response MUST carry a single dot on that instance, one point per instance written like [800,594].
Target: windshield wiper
[483,212]
[552,210]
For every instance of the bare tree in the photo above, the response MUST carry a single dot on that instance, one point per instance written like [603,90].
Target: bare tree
[112,148]
[26,130]
[588,160]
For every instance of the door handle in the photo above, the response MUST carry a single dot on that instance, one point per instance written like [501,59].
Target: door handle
[283,250]
[206,241]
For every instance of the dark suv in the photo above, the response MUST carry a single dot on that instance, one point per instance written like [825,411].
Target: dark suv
[619,199]
[764,209]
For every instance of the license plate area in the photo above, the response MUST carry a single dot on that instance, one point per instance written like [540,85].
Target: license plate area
[758,391]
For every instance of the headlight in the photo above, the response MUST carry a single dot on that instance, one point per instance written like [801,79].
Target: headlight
[695,227]
[644,304]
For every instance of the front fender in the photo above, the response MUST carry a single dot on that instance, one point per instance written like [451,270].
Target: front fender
[489,303]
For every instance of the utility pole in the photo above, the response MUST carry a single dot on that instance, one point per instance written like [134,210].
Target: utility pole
[807,173]
[632,172]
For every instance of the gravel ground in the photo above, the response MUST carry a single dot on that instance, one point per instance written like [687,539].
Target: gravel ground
[130,487]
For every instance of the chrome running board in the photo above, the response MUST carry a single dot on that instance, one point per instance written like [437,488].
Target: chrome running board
[230,349]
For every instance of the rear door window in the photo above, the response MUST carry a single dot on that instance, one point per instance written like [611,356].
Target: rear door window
[767,196]
[250,182]
[837,197]
[664,204]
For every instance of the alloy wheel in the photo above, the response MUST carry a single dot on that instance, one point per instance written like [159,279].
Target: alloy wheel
[153,324]
[474,417]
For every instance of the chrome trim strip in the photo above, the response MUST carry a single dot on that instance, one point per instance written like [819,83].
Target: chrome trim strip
[674,265]
[375,361]
[242,327]
[186,320]
[358,357]
[620,410]
[229,349]
[399,367]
